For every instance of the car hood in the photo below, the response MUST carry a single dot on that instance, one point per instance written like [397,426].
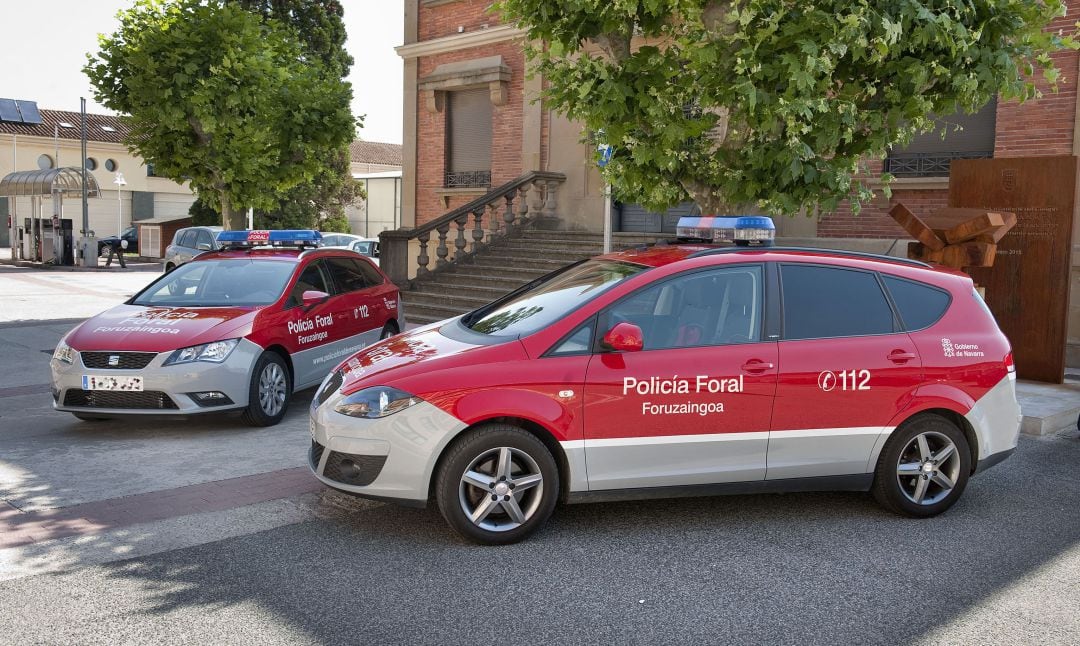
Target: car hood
[157,329]
[419,352]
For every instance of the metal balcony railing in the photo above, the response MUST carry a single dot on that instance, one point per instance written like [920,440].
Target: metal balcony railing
[928,164]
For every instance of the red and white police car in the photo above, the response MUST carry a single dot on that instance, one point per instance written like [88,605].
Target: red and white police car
[673,371]
[236,329]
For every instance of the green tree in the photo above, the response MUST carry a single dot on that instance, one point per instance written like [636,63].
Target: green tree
[775,102]
[216,96]
[320,202]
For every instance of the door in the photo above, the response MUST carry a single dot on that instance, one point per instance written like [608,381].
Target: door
[693,406]
[364,311]
[314,332]
[846,370]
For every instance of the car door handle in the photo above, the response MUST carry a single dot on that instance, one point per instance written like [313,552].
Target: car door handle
[757,366]
[901,356]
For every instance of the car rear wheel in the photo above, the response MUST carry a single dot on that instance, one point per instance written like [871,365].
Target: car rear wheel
[924,467]
[389,330]
[268,397]
[497,484]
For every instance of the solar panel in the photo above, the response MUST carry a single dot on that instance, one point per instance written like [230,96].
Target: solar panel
[29,112]
[9,111]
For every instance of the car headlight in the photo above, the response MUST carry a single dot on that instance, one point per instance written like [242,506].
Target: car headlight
[215,352]
[376,402]
[63,353]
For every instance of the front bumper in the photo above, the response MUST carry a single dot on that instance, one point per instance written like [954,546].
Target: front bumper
[391,458]
[167,390]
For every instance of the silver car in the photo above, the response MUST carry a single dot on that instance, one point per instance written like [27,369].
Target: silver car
[188,243]
[364,246]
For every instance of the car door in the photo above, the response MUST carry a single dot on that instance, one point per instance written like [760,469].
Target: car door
[315,332]
[362,304]
[846,370]
[693,406]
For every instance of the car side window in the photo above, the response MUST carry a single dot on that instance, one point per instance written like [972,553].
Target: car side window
[347,275]
[371,275]
[703,308]
[203,238]
[330,241]
[579,342]
[920,305]
[828,302]
[187,239]
[312,278]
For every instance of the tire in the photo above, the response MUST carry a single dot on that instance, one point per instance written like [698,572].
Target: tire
[912,475]
[269,391]
[90,418]
[389,330]
[480,452]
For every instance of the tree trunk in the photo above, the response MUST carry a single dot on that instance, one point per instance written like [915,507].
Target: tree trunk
[231,220]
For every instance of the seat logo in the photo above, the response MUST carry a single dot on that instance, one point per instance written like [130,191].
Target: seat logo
[114,359]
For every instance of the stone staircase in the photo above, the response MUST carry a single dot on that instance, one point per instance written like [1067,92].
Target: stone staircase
[503,266]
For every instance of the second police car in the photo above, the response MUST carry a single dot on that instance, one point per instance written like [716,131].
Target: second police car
[236,329]
[679,370]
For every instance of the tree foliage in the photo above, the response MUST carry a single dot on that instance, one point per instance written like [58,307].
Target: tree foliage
[775,102]
[320,202]
[217,96]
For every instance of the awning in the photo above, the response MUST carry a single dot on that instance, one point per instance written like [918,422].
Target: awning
[67,181]
[161,220]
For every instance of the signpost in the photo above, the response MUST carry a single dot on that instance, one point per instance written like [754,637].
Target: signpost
[606,151]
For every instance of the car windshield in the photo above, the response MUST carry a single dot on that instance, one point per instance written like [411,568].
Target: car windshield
[219,283]
[362,247]
[550,298]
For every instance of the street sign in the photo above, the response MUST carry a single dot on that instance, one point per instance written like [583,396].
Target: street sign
[605,154]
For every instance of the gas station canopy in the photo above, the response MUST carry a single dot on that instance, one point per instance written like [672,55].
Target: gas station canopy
[67,181]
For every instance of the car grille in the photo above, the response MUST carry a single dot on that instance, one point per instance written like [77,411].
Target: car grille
[331,387]
[316,454]
[356,470]
[124,361]
[145,400]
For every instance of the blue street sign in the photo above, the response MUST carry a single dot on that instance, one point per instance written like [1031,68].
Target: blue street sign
[605,154]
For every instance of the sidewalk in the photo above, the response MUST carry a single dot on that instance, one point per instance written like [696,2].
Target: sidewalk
[133,264]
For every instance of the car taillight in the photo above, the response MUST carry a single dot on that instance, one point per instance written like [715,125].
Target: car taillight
[1010,365]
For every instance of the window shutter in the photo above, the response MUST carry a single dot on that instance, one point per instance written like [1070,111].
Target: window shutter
[468,138]
[977,135]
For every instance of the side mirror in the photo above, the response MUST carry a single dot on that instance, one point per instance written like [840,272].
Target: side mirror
[313,297]
[624,337]
[203,246]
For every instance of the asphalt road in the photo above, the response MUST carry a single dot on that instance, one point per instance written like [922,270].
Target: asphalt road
[1003,566]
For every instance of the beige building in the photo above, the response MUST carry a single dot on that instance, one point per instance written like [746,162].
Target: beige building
[377,166]
[54,142]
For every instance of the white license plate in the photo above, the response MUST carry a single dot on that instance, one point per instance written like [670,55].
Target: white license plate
[128,384]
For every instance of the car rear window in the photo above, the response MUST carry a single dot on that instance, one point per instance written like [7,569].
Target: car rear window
[219,283]
[549,299]
[828,302]
[920,305]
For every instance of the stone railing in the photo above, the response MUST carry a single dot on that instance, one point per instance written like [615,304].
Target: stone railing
[461,233]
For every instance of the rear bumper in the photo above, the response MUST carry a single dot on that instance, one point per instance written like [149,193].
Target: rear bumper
[991,460]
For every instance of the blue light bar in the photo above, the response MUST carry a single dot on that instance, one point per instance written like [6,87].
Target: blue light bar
[263,238]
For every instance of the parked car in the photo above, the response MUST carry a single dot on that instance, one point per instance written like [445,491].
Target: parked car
[238,329]
[188,243]
[364,246]
[129,235]
[679,370]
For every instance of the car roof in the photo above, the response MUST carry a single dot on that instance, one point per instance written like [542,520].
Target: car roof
[661,255]
[270,253]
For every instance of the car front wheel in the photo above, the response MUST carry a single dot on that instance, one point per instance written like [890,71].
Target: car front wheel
[497,485]
[268,397]
[924,467]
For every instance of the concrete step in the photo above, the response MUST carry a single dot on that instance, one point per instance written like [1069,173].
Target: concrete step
[524,274]
[423,313]
[549,243]
[500,262]
[461,300]
[1048,409]
[456,280]
[471,289]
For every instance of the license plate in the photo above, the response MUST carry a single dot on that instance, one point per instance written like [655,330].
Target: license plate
[128,384]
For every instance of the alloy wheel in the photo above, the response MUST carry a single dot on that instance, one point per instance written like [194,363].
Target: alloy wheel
[928,468]
[501,489]
[273,386]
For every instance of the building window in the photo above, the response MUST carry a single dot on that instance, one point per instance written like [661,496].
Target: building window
[468,139]
[91,163]
[930,155]
[111,165]
[150,170]
[44,162]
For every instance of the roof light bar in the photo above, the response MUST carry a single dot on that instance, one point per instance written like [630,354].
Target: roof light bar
[742,229]
[262,238]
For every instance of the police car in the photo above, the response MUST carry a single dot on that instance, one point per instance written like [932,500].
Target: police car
[235,329]
[679,370]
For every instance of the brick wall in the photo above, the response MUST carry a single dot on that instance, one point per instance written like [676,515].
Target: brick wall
[506,136]
[444,19]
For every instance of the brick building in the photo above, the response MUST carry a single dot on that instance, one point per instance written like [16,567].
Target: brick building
[473,121]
